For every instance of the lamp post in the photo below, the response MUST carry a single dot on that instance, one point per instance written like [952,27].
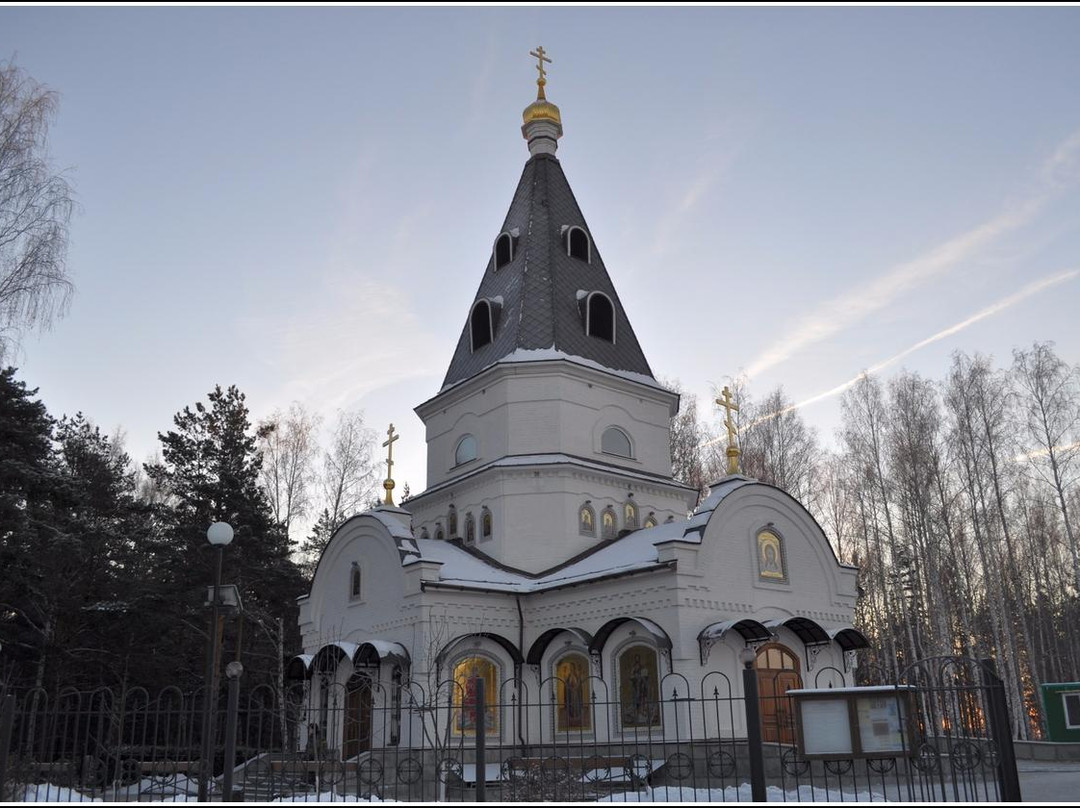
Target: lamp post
[219,535]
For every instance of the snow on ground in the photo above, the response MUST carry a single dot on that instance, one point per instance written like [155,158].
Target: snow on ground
[742,794]
[45,792]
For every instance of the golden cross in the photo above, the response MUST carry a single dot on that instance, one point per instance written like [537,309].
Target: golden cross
[389,483]
[541,58]
[732,450]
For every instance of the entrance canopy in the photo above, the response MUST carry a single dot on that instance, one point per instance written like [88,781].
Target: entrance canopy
[368,653]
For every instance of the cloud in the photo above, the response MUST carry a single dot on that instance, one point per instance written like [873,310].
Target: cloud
[1032,455]
[358,337]
[982,314]
[853,307]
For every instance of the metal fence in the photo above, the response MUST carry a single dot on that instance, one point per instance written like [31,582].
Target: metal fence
[719,741]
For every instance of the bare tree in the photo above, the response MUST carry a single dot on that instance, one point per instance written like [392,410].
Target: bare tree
[778,447]
[688,435]
[347,482]
[288,445]
[35,209]
[1050,402]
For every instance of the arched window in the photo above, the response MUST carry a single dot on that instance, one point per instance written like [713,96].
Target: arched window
[650,520]
[600,317]
[572,706]
[504,250]
[639,688]
[424,533]
[439,535]
[470,528]
[451,522]
[630,515]
[480,330]
[586,521]
[577,244]
[609,523]
[616,442]
[465,451]
[354,581]
[485,523]
[465,702]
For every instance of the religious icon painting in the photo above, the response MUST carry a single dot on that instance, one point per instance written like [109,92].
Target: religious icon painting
[572,698]
[466,696]
[639,688]
[770,552]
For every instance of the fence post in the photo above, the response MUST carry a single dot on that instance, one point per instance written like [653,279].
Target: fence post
[1008,779]
[481,740]
[233,671]
[754,743]
[7,720]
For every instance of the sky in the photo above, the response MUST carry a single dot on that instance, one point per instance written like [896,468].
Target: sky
[302,201]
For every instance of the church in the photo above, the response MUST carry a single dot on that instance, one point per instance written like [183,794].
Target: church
[552,553]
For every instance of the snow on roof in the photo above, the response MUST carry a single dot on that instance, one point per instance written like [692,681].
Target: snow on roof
[635,551]
[551,354]
[554,459]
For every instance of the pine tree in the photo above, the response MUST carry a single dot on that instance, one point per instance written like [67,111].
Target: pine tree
[210,468]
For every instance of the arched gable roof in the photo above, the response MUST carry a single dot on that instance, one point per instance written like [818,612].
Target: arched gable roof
[807,630]
[659,636]
[536,650]
[849,639]
[383,517]
[511,649]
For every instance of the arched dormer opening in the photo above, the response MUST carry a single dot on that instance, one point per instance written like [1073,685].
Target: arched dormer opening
[481,326]
[600,317]
[465,451]
[616,442]
[578,244]
[504,250]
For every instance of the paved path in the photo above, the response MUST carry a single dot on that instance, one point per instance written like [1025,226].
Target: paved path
[1049,781]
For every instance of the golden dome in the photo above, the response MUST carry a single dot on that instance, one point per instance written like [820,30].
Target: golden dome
[541,109]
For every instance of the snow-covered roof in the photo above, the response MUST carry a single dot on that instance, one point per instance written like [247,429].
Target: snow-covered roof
[632,553]
[557,458]
[551,354]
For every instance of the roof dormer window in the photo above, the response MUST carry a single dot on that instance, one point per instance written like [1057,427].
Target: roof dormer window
[600,317]
[480,325]
[504,250]
[578,244]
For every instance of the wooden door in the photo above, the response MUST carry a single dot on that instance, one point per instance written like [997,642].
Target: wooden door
[357,717]
[777,673]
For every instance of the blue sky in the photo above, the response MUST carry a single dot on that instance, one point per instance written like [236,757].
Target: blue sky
[302,201]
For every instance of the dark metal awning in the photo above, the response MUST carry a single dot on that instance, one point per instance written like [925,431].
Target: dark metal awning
[807,630]
[849,639]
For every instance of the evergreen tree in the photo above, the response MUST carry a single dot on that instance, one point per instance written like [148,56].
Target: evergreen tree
[210,469]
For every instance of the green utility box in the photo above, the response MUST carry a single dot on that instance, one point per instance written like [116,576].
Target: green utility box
[1061,705]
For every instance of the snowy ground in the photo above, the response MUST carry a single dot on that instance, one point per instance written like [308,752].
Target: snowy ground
[50,793]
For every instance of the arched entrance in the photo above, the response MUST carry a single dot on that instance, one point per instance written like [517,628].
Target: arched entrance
[777,673]
[357,716]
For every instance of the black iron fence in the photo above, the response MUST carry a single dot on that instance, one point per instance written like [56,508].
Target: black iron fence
[455,741]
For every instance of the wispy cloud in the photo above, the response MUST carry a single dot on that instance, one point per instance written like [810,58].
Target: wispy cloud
[850,308]
[1037,453]
[994,308]
[362,335]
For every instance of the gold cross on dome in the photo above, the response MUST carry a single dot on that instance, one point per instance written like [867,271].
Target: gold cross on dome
[541,58]
[732,451]
[389,483]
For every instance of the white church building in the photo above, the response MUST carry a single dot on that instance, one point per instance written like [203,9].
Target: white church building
[553,555]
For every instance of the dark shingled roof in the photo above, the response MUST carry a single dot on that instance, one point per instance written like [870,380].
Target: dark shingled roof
[539,287]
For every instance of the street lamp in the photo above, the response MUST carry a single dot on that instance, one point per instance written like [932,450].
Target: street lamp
[219,535]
